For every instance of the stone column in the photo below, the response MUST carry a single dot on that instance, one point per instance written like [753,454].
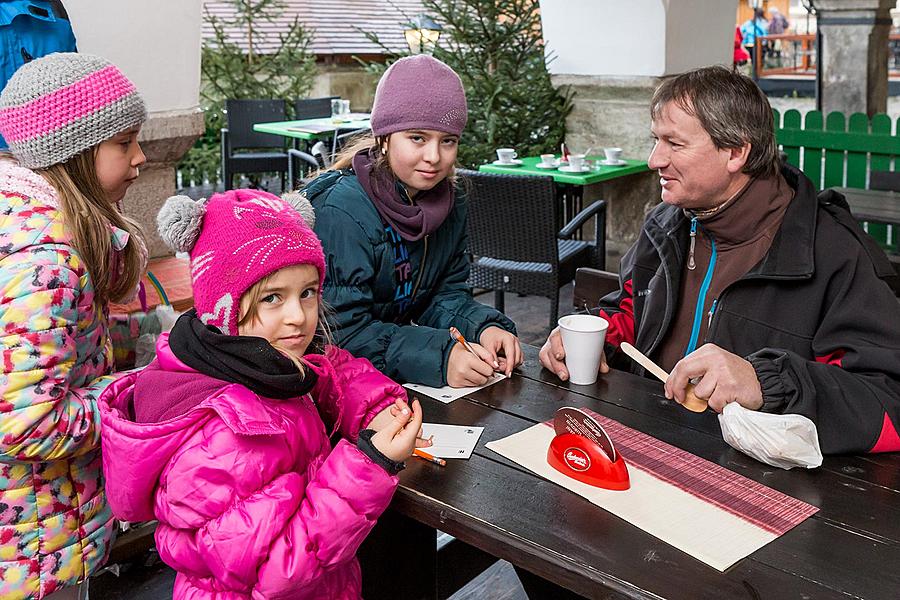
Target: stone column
[157,45]
[612,54]
[854,37]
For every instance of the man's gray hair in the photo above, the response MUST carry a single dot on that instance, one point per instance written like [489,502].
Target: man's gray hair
[731,109]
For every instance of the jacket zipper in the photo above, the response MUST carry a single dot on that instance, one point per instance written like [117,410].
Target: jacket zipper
[704,289]
[691,264]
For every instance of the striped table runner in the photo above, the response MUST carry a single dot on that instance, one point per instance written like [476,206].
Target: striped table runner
[702,508]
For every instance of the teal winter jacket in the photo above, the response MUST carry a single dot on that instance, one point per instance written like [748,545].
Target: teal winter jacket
[395,300]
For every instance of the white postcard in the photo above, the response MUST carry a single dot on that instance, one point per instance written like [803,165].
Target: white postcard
[448,394]
[451,441]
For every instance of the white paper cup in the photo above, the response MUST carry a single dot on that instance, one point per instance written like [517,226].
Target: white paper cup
[582,338]
[506,155]
[612,154]
[576,161]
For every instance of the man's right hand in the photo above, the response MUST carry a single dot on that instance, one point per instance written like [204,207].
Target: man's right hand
[553,356]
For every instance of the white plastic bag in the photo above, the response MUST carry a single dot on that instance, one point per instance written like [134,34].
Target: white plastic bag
[159,320]
[784,441]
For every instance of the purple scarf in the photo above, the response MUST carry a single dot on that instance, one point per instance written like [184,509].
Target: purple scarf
[412,221]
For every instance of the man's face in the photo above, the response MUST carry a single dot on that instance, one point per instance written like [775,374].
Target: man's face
[694,174]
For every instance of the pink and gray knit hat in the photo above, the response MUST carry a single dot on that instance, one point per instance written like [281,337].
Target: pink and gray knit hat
[235,239]
[61,104]
[419,92]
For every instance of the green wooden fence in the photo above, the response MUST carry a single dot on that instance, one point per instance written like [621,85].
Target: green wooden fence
[836,151]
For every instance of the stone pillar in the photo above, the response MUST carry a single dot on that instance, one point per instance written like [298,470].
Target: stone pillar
[157,45]
[612,54]
[854,37]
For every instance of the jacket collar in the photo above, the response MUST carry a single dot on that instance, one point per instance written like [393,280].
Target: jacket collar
[791,255]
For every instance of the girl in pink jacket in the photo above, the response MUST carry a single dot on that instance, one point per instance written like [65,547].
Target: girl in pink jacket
[225,437]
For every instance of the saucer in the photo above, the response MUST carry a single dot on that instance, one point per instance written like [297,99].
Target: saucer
[613,163]
[571,169]
[513,163]
[541,165]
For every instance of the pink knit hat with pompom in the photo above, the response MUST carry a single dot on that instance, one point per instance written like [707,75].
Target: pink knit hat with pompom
[234,240]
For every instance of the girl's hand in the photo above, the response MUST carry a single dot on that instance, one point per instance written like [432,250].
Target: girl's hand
[397,439]
[464,369]
[495,339]
[386,416]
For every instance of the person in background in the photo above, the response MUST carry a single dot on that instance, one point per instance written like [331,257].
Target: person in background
[226,437]
[778,23]
[393,225]
[751,29]
[746,282]
[66,252]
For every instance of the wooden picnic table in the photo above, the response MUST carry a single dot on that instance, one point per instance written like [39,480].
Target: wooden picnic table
[849,548]
[873,205]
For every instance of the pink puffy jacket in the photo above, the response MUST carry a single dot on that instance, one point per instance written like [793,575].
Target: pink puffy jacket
[252,502]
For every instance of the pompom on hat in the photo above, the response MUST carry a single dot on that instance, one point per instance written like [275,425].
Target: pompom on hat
[235,239]
[419,92]
[61,104]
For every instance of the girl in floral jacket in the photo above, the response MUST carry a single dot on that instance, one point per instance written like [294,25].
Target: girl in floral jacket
[225,437]
[66,251]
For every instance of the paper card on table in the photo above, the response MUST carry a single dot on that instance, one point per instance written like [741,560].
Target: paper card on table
[448,394]
[451,441]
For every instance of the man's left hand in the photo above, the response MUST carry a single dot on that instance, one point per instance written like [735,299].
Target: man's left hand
[721,376]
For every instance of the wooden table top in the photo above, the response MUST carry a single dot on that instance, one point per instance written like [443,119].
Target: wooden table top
[851,547]
[873,205]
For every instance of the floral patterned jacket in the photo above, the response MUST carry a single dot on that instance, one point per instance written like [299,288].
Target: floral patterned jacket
[55,523]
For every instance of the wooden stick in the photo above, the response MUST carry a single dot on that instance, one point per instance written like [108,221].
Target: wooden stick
[691,401]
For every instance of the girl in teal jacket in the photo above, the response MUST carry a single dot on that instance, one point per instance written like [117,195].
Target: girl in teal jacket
[394,231]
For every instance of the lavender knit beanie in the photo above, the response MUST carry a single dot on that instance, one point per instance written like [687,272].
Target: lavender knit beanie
[419,92]
[61,104]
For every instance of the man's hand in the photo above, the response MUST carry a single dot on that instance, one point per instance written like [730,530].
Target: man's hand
[553,356]
[495,339]
[723,377]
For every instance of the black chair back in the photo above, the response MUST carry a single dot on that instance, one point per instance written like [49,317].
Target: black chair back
[511,217]
[313,108]
[243,114]
[886,181]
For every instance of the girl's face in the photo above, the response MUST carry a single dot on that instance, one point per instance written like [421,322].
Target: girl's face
[117,162]
[421,158]
[287,310]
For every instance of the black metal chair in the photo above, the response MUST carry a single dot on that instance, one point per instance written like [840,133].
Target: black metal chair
[247,151]
[514,241]
[313,108]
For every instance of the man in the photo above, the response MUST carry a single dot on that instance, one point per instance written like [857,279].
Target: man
[745,283]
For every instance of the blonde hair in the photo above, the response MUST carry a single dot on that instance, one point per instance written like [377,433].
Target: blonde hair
[249,307]
[88,214]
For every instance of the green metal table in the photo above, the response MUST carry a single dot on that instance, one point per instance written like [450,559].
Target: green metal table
[594,175]
[312,129]
[570,186]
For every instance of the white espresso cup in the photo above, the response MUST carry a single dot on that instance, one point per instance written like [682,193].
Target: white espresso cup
[506,155]
[548,159]
[613,154]
[582,338]
[576,161]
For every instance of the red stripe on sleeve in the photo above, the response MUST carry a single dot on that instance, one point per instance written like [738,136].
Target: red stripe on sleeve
[621,324]
[888,441]
[834,358]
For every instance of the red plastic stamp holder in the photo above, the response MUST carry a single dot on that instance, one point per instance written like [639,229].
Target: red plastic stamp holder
[582,450]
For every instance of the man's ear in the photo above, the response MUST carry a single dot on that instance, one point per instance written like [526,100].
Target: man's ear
[737,158]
